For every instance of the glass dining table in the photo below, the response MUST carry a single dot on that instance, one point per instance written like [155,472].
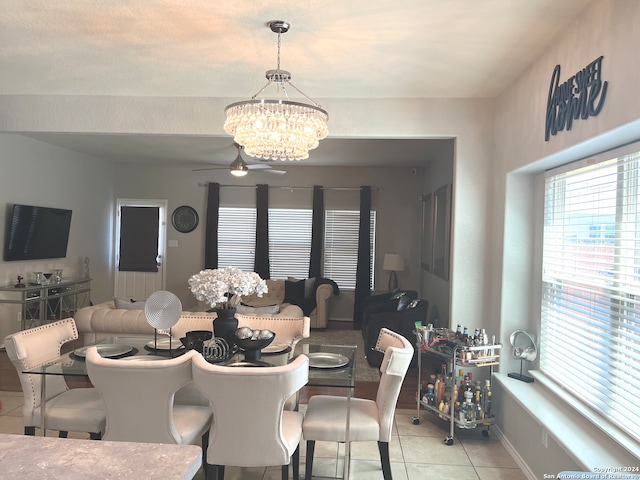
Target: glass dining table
[330,366]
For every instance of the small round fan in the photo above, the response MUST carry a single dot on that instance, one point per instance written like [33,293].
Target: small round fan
[162,309]
[524,348]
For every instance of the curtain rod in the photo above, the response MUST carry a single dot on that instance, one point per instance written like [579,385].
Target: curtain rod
[346,189]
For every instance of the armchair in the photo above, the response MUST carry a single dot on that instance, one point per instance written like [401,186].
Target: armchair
[396,314]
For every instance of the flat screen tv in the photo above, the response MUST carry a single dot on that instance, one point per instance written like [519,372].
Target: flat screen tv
[36,232]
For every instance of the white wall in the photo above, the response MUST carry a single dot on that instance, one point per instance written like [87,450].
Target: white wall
[35,173]
[609,28]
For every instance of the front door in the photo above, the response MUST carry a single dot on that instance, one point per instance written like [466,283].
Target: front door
[139,285]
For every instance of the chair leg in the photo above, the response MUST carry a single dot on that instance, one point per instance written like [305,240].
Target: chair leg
[285,472]
[30,431]
[311,444]
[210,472]
[296,463]
[95,435]
[63,434]
[205,447]
[218,472]
[383,448]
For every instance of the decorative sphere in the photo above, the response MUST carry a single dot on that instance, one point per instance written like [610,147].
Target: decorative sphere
[244,332]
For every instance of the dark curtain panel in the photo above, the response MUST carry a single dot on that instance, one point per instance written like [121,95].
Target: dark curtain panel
[211,236]
[139,239]
[261,262]
[363,269]
[317,233]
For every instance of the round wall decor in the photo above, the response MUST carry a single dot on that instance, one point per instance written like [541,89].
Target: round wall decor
[184,219]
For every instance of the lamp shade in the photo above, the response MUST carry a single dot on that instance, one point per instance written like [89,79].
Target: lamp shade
[393,262]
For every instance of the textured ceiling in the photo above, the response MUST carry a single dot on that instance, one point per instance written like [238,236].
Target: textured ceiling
[334,49]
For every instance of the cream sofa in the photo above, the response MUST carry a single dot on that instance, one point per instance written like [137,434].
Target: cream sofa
[285,293]
[104,320]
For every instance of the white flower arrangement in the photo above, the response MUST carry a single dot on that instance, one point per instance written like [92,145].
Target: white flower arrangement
[223,287]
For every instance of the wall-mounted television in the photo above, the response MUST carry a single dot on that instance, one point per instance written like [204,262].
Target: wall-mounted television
[36,232]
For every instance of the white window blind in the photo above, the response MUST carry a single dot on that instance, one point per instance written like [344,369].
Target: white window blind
[236,238]
[341,246]
[289,242]
[590,325]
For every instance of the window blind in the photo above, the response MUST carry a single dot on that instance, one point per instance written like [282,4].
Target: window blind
[590,324]
[289,242]
[341,246]
[236,238]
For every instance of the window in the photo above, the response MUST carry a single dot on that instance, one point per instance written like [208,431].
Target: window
[341,246]
[290,242]
[237,238]
[590,325]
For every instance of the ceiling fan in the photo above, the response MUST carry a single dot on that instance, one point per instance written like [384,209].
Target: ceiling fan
[240,168]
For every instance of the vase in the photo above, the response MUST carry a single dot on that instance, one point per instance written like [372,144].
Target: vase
[225,325]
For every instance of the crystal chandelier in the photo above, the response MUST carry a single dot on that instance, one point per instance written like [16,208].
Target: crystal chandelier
[277,129]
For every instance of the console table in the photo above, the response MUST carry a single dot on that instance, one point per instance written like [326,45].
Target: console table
[40,304]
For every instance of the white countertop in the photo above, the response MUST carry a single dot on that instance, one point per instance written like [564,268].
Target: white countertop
[30,457]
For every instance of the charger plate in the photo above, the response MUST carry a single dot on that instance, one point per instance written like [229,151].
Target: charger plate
[144,358]
[107,350]
[163,344]
[275,348]
[327,360]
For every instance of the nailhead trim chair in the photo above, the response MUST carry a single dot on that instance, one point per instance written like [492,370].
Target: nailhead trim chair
[76,410]
[325,418]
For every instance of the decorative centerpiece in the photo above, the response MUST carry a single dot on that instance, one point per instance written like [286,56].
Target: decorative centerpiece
[253,341]
[223,288]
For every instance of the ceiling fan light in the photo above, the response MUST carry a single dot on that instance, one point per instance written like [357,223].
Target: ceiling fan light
[239,168]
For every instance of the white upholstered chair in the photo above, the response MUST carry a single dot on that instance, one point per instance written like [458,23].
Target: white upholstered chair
[288,330]
[325,418]
[250,426]
[76,410]
[139,400]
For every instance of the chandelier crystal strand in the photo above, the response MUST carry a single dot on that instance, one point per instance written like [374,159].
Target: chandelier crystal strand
[277,129]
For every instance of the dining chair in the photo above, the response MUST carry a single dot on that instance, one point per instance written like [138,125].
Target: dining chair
[288,330]
[139,400]
[66,410]
[252,428]
[326,416]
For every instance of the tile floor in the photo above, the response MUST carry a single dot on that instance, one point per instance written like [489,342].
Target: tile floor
[417,452]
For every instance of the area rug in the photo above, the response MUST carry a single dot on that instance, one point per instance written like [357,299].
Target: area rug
[364,373]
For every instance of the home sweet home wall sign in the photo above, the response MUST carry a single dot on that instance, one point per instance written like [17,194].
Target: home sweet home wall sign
[580,97]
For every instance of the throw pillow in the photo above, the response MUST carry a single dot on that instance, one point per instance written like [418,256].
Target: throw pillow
[248,310]
[293,292]
[127,305]
[309,283]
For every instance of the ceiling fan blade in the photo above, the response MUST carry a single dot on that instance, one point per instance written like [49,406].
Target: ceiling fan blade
[219,167]
[258,166]
[276,172]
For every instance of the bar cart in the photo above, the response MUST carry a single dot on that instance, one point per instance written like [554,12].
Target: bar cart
[443,344]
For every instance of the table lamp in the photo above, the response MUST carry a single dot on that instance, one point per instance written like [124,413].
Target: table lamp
[394,263]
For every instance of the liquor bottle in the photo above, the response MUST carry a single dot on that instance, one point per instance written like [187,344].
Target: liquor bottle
[462,388]
[478,403]
[458,332]
[469,408]
[486,399]
[465,335]
[440,388]
[431,396]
